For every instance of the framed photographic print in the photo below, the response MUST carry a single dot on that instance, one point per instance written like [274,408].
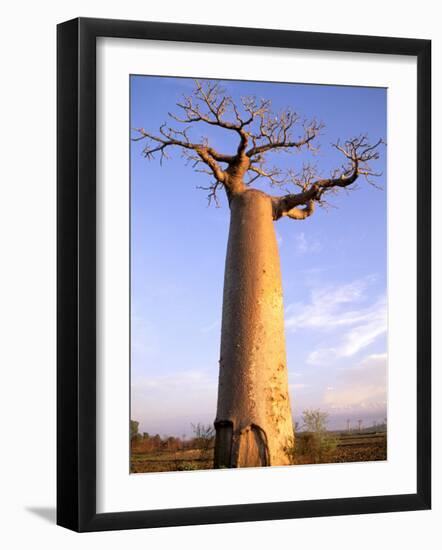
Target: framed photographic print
[243,274]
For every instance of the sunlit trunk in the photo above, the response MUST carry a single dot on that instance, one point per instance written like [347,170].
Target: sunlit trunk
[253,422]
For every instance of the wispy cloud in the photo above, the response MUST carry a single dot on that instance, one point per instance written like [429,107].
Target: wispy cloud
[368,325]
[297,386]
[211,326]
[168,403]
[362,387]
[168,382]
[326,307]
[304,244]
[279,239]
[143,335]
[342,307]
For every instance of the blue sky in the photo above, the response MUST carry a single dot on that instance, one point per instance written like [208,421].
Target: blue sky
[333,267]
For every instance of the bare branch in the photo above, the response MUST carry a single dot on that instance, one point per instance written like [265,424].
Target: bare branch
[169,138]
[358,152]
[277,134]
[212,195]
[209,104]
[297,213]
[275,175]
[260,132]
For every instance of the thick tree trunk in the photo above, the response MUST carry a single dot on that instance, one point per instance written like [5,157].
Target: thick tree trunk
[253,422]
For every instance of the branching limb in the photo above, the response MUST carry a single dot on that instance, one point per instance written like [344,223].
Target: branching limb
[297,213]
[260,132]
[277,134]
[275,175]
[358,152]
[254,122]
[170,137]
[212,192]
[210,105]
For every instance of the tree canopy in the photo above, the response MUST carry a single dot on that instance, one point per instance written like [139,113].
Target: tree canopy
[259,131]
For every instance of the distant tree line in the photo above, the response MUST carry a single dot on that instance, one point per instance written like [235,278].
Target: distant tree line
[203,438]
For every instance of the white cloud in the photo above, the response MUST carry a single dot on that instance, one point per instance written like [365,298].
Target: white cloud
[332,308]
[361,388]
[297,386]
[325,307]
[373,360]
[371,325]
[367,327]
[169,403]
[176,380]
[212,326]
[279,239]
[144,340]
[304,245]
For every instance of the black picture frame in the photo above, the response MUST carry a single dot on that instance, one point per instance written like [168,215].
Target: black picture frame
[76,274]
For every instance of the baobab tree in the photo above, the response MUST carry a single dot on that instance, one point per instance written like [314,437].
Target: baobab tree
[254,421]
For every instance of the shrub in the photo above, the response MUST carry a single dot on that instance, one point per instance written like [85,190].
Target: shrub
[315,444]
[204,436]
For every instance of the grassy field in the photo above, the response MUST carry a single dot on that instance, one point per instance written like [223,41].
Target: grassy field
[360,447]
[175,461]
[352,447]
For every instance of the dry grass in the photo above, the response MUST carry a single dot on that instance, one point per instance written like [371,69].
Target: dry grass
[362,448]
[171,461]
[349,448]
